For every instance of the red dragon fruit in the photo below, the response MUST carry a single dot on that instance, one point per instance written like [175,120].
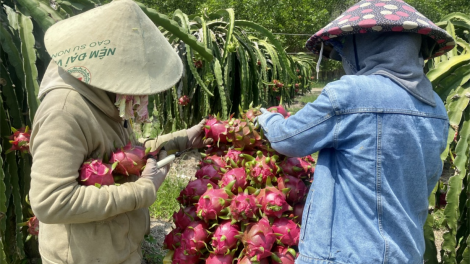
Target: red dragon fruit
[233,157]
[194,190]
[208,172]
[184,100]
[216,130]
[296,215]
[238,175]
[195,237]
[258,239]
[212,202]
[246,260]
[279,109]
[243,207]
[95,172]
[185,216]
[180,257]
[217,149]
[129,160]
[224,238]
[243,135]
[289,230]
[283,255]
[33,226]
[219,259]
[217,162]
[20,140]
[273,202]
[173,239]
[297,187]
[262,167]
[251,113]
[296,167]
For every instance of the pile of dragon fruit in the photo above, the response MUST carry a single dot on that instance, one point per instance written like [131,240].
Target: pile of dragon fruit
[246,203]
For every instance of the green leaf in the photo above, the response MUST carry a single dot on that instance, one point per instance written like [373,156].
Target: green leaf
[42,13]
[175,29]
[273,40]
[29,63]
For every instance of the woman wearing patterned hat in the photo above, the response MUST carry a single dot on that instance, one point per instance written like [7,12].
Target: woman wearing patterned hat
[380,131]
[105,62]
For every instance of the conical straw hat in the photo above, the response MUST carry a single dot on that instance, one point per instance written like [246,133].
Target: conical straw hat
[116,48]
[376,16]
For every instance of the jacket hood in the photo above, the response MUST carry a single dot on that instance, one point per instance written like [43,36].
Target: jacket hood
[394,55]
[57,78]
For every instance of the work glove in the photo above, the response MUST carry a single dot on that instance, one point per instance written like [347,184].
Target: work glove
[151,172]
[196,135]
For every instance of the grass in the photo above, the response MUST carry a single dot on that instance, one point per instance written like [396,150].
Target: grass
[302,101]
[439,219]
[166,203]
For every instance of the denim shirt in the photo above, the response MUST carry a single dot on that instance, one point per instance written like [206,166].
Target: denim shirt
[379,161]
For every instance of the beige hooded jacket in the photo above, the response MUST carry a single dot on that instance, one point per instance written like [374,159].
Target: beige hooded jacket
[85,224]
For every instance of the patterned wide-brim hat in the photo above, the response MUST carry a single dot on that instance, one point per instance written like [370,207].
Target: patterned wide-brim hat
[376,16]
[116,48]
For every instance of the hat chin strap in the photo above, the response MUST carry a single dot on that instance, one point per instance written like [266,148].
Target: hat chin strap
[319,60]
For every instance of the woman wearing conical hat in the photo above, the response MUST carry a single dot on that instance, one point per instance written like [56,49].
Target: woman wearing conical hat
[105,63]
[380,131]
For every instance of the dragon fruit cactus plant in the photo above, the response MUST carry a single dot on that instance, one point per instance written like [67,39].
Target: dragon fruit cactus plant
[20,140]
[246,203]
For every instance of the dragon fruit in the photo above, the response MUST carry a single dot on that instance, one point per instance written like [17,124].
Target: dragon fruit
[219,259]
[289,230]
[129,160]
[95,172]
[258,239]
[262,167]
[216,130]
[185,216]
[247,260]
[217,150]
[208,172]
[279,109]
[296,215]
[217,162]
[173,239]
[233,157]
[238,175]
[251,113]
[20,140]
[243,207]
[212,202]
[297,188]
[273,202]
[184,100]
[195,237]
[194,190]
[224,238]
[283,255]
[180,257]
[33,226]
[243,135]
[296,167]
